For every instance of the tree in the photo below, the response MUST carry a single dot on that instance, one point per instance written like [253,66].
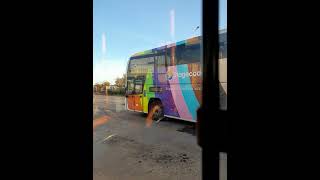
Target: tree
[106,83]
[100,87]
[97,87]
[120,82]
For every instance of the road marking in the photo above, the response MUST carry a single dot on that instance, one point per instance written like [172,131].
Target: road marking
[107,138]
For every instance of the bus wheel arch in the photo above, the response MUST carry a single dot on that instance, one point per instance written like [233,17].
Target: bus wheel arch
[155,107]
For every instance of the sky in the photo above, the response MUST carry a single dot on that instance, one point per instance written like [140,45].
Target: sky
[124,27]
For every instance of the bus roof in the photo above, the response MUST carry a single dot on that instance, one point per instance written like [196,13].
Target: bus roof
[189,41]
[193,40]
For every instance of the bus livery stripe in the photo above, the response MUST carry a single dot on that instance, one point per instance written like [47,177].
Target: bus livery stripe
[187,91]
[178,97]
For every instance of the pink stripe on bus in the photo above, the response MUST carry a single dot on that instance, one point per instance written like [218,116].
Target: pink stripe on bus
[177,95]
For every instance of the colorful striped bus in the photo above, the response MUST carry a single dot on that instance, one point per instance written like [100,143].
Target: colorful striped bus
[169,78]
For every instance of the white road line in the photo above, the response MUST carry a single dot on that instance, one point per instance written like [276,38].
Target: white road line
[107,138]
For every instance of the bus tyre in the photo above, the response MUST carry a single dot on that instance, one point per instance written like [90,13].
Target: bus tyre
[156,108]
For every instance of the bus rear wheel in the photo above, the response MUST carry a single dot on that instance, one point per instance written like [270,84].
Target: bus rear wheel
[156,110]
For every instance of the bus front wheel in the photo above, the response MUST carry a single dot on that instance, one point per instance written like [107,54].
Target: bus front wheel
[156,110]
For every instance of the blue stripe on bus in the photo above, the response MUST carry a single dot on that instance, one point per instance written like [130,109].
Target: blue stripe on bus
[187,91]
[181,42]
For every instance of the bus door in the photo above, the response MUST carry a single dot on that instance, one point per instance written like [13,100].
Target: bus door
[130,93]
[137,95]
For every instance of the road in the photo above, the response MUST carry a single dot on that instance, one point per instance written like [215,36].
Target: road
[124,148]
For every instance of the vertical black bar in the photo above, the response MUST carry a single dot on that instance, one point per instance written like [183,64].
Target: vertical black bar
[210,54]
[208,113]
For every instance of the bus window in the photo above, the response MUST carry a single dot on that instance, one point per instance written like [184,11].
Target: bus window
[148,65]
[223,70]
[142,65]
[170,56]
[130,85]
[223,46]
[186,54]
[138,87]
[161,68]
[160,63]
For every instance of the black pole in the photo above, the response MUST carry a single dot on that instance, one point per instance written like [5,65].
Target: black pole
[208,114]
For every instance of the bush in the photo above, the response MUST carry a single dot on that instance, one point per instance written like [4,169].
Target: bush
[118,92]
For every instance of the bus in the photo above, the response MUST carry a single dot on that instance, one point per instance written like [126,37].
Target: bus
[169,78]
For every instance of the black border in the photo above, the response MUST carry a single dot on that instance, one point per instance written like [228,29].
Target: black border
[50,109]
[51,61]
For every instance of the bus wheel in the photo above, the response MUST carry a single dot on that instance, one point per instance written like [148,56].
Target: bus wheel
[156,108]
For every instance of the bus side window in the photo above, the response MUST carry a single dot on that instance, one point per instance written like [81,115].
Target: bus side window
[161,68]
[138,87]
[130,86]
[170,56]
[180,49]
[147,64]
[160,63]
[187,54]
[223,46]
